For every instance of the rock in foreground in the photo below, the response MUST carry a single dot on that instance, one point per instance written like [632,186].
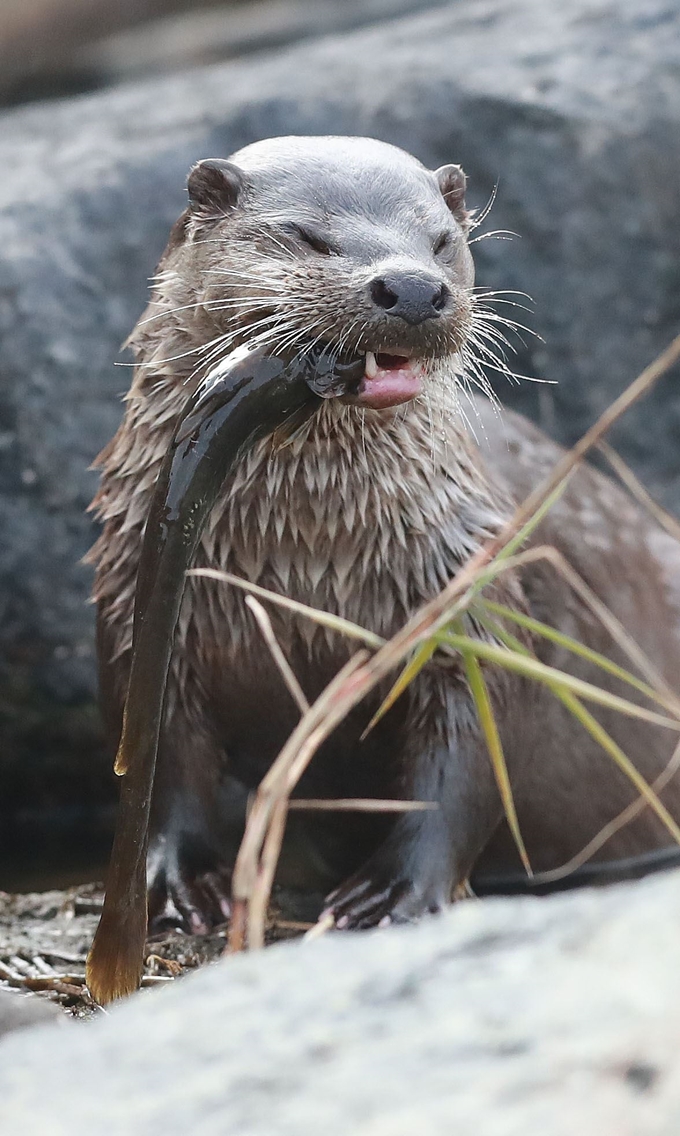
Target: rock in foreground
[503,1017]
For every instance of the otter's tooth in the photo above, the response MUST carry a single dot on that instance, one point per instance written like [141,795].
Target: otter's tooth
[371,365]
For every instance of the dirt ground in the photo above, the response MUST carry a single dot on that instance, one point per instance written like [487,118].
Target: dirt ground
[45,936]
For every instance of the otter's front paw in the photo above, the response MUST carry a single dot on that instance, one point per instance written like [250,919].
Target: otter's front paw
[366,901]
[184,894]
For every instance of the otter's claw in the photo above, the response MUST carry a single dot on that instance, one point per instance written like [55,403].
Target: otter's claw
[183,900]
[361,903]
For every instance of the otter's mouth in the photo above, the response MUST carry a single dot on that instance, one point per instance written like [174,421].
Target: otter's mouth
[389,379]
[376,380]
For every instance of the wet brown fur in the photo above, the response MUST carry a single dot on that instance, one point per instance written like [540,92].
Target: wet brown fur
[366,514]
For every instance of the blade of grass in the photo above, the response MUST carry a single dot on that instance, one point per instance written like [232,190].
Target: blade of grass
[324,618]
[637,490]
[487,721]
[421,656]
[624,763]
[600,610]
[576,648]
[530,667]
[601,736]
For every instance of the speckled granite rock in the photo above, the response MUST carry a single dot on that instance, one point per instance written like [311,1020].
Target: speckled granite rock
[20,1011]
[501,1018]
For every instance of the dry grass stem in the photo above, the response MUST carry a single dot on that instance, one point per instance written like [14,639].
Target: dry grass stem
[249,886]
[325,924]
[608,830]
[361,805]
[638,491]
[332,622]
[271,849]
[265,625]
[632,394]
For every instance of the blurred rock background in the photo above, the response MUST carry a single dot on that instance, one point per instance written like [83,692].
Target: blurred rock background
[570,107]
[59,47]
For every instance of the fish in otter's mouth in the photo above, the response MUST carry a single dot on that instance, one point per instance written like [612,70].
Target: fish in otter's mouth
[376,380]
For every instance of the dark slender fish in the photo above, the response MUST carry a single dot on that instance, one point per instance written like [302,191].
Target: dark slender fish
[244,399]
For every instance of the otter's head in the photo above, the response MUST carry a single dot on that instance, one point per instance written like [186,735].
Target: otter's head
[346,243]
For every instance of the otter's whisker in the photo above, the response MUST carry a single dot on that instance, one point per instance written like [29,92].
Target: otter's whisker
[209,305]
[496,342]
[153,362]
[479,218]
[479,292]
[482,309]
[495,234]
[485,357]
[472,373]
[480,317]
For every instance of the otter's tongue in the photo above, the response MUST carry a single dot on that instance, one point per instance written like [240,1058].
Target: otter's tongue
[388,381]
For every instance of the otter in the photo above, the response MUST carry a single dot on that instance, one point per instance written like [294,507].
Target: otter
[366,511]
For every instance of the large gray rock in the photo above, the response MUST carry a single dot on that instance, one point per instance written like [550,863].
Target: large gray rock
[20,1011]
[574,108]
[503,1018]
[39,38]
[64,46]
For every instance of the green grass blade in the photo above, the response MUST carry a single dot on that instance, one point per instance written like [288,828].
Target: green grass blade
[503,560]
[576,648]
[530,667]
[420,657]
[600,735]
[534,521]
[487,720]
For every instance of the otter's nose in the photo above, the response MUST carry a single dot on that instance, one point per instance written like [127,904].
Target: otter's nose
[413,296]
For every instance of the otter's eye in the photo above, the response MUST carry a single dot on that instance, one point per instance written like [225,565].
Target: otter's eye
[440,244]
[314,240]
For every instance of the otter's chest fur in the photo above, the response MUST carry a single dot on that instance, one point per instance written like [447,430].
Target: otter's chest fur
[365,516]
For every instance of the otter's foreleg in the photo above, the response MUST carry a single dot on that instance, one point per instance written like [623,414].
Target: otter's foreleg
[428,853]
[190,854]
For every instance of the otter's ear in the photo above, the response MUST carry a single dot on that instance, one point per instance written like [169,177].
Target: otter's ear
[214,186]
[452,182]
